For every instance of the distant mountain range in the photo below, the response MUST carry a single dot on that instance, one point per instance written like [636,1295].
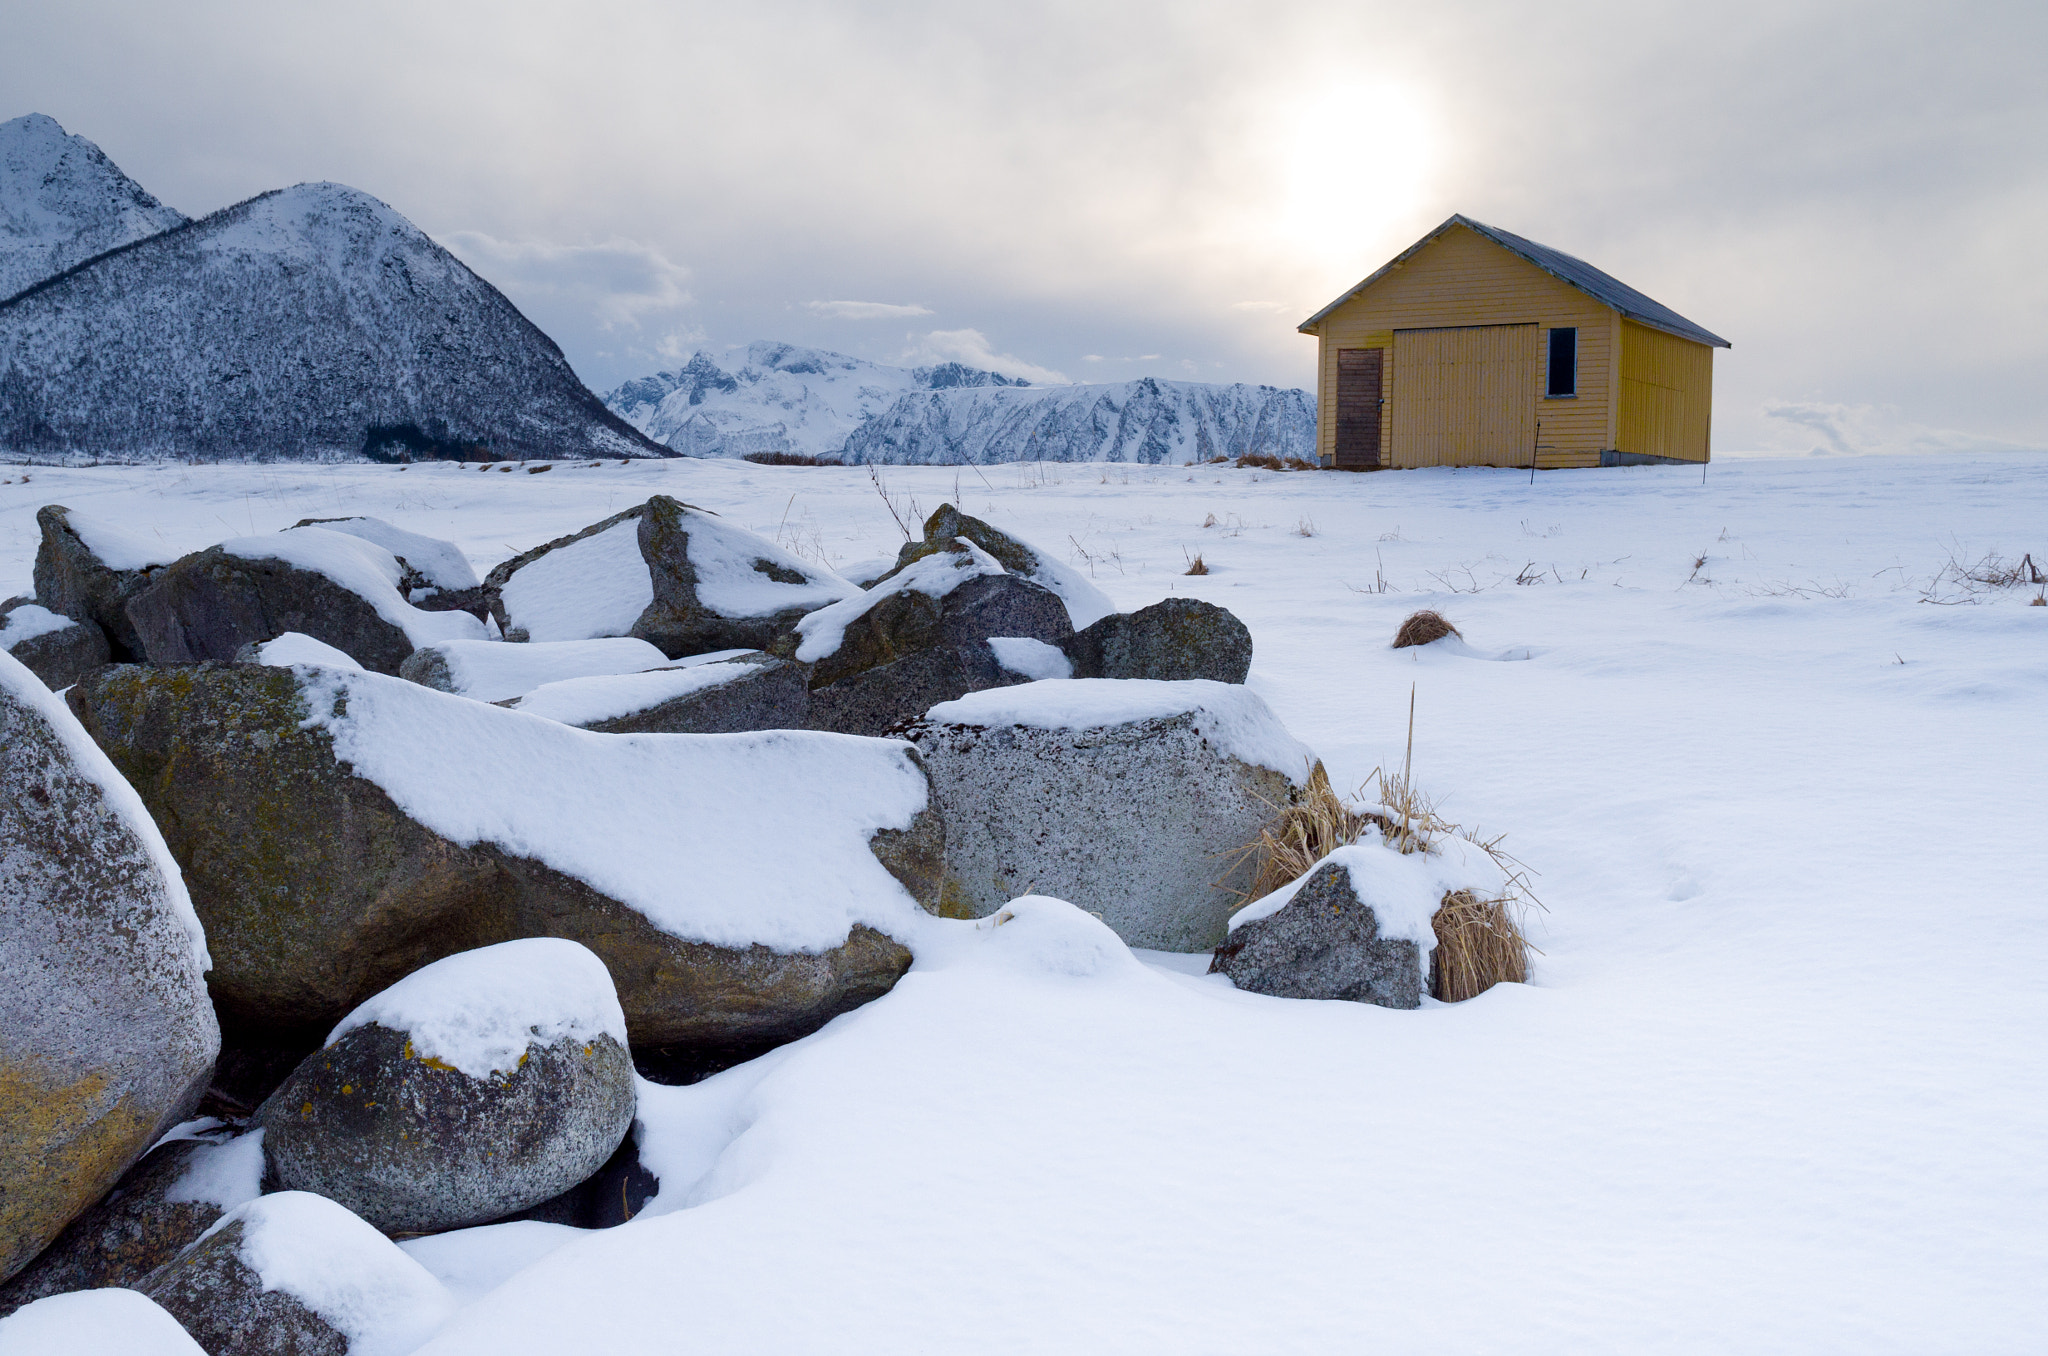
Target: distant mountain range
[308,323]
[807,401]
[316,323]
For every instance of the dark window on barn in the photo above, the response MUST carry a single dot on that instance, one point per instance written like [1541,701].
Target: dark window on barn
[1564,363]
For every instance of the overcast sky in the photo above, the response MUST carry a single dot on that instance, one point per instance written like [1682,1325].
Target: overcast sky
[1855,194]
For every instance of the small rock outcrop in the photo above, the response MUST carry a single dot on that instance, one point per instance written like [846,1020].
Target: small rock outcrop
[477,1086]
[919,638]
[106,1035]
[436,577]
[339,589]
[666,572]
[161,1204]
[749,691]
[92,580]
[947,525]
[296,1273]
[1128,799]
[1172,641]
[341,830]
[1325,941]
[54,647]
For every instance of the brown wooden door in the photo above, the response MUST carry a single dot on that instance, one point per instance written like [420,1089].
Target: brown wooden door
[1358,407]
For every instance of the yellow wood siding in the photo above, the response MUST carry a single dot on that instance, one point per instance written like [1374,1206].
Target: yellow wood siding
[1667,394]
[1466,397]
[1462,278]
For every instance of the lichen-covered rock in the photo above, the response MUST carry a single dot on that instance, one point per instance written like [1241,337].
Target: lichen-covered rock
[1128,799]
[161,1204]
[95,1321]
[1173,640]
[477,1086]
[52,646]
[437,576]
[667,572]
[339,831]
[88,570]
[295,1274]
[947,525]
[1324,941]
[106,1037]
[919,638]
[748,691]
[339,589]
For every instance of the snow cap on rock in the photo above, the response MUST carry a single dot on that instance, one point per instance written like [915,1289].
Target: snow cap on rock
[480,1010]
[935,576]
[107,1321]
[295,648]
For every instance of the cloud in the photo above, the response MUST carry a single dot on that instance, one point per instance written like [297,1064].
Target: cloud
[972,348]
[1863,430]
[864,310]
[622,282]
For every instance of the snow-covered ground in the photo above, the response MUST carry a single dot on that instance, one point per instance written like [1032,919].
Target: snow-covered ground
[1778,1083]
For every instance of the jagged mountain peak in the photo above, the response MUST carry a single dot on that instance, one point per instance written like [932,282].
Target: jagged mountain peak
[62,201]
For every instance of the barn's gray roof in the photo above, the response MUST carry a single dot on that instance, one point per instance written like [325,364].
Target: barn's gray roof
[1602,287]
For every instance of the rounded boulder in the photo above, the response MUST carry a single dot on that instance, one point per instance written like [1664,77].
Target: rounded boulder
[473,1088]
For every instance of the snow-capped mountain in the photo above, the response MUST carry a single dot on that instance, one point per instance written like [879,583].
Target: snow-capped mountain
[309,322]
[1139,421]
[778,398]
[62,201]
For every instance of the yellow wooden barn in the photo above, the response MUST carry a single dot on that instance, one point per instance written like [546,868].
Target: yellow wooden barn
[1475,347]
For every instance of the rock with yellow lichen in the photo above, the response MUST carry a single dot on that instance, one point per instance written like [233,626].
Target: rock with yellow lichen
[106,1037]
[476,1087]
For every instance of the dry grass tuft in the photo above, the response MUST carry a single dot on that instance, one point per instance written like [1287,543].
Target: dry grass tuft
[1197,565]
[1421,628]
[1263,461]
[1302,834]
[1479,944]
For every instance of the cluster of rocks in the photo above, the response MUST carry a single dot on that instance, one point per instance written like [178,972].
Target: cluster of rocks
[396,874]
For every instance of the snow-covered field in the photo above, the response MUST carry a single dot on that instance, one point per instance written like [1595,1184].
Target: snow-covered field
[1778,1083]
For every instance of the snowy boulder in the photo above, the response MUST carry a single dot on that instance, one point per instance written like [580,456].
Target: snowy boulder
[95,1321]
[492,671]
[88,569]
[336,588]
[1085,603]
[162,1203]
[1319,938]
[482,1084]
[106,1034]
[294,647]
[52,646]
[1126,798]
[340,830]
[296,1273]
[1173,640]
[664,571]
[436,576]
[918,638]
[735,691]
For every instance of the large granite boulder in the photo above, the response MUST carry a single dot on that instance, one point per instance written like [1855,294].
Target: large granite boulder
[1173,640]
[435,575]
[106,1037]
[667,572]
[339,589]
[294,1274]
[1356,927]
[482,1084]
[52,646]
[161,1204]
[493,671]
[919,638]
[340,830]
[101,1322]
[1128,799]
[732,692]
[87,569]
[948,525]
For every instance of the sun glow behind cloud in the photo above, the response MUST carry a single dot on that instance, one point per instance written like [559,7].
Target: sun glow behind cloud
[1355,161]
